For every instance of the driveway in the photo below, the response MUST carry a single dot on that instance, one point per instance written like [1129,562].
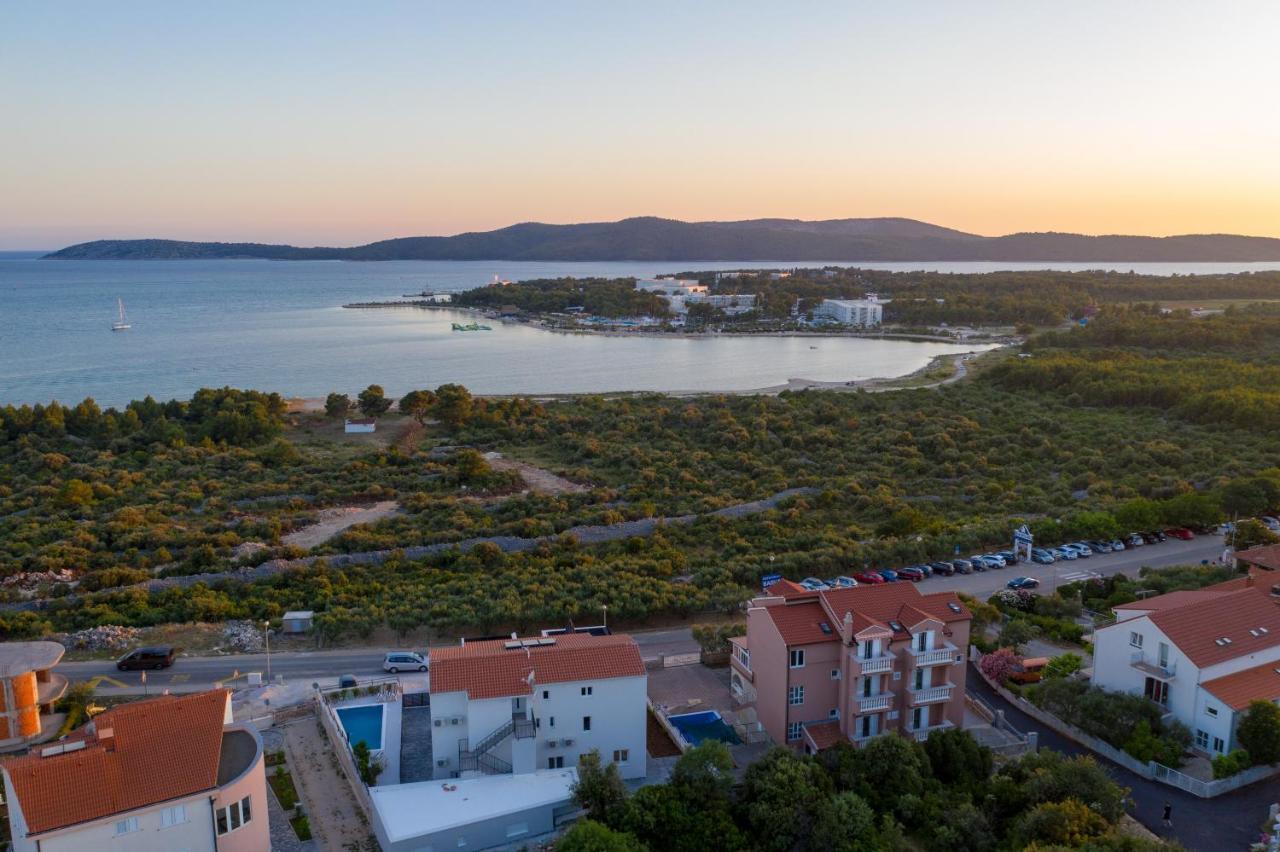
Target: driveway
[1230,821]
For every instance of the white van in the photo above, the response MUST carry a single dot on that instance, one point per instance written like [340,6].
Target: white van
[404,661]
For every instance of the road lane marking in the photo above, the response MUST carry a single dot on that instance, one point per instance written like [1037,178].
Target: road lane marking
[97,681]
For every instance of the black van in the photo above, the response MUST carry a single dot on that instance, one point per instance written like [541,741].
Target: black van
[147,658]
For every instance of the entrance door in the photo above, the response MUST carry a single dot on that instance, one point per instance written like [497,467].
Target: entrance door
[1157,691]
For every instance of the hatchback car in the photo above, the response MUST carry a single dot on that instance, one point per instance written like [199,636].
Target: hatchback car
[1066,553]
[843,582]
[890,576]
[962,566]
[403,661]
[978,562]
[1135,540]
[1023,583]
[1082,549]
[912,573]
[147,658]
[1042,557]
[943,569]
[1180,533]
[871,578]
[1100,546]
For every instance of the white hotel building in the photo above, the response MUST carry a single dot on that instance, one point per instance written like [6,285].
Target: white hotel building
[860,312]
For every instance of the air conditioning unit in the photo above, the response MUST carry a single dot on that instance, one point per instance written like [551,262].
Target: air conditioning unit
[442,762]
[439,723]
[568,743]
[455,720]
[552,743]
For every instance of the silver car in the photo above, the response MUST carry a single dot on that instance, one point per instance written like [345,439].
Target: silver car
[404,661]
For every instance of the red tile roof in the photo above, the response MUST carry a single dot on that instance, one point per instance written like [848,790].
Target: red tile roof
[1248,617]
[161,749]
[786,588]
[799,623]
[491,670]
[1265,556]
[1173,600]
[1239,690]
[823,734]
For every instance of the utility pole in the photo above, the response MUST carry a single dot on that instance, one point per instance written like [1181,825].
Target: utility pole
[266,634]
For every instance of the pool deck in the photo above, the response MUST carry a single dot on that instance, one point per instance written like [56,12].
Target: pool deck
[391,727]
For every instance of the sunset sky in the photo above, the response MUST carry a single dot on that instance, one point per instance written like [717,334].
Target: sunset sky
[337,124]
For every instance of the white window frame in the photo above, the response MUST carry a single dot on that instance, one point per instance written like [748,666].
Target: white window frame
[795,695]
[1202,739]
[1212,711]
[174,816]
[1135,639]
[796,658]
[793,731]
[237,808]
[128,825]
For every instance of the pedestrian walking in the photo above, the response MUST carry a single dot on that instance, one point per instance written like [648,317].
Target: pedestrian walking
[1167,819]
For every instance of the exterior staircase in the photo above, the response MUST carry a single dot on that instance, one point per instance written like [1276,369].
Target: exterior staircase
[479,758]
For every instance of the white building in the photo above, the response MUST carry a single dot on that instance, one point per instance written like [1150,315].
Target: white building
[671,286]
[859,312]
[517,706]
[731,304]
[364,424]
[1204,655]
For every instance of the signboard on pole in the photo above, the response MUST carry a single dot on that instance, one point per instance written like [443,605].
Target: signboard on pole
[1022,541]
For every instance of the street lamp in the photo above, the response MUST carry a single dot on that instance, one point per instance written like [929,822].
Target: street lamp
[266,634]
[605,609]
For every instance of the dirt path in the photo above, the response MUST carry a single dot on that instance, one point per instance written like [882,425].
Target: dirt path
[334,521]
[336,820]
[539,481]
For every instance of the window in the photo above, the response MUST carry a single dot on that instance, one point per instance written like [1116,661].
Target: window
[835,674]
[1202,739]
[546,694]
[1163,656]
[1212,711]
[556,762]
[743,655]
[917,718]
[551,721]
[793,731]
[518,829]
[233,816]
[1135,639]
[922,641]
[1218,745]
[919,684]
[586,723]
[621,755]
[127,826]
[175,815]
[868,650]
[795,695]
[834,714]
[797,658]
[586,690]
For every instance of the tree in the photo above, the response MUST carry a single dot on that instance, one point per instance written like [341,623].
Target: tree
[956,758]
[999,664]
[1197,511]
[337,405]
[417,404]
[1251,533]
[587,835]
[1259,732]
[368,765]
[1017,632]
[662,817]
[890,768]
[75,494]
[1251,496]
[781,796]
[704,774]
[844,823]
[599,788]
[1138,514]
[714,638]
[1063,665]
[1069,823]
[373,401]
[453,404]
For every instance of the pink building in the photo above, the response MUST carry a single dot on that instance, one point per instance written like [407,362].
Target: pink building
[852,663]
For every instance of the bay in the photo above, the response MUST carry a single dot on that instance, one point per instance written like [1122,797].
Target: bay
[280,326]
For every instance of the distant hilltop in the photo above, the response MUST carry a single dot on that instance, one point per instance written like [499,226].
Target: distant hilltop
[650,238]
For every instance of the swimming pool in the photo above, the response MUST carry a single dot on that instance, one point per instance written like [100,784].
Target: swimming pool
[706,725]
[362,723]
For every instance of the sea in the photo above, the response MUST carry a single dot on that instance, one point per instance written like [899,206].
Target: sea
[280,326]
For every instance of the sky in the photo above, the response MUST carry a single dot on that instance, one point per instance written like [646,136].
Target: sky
[317,123]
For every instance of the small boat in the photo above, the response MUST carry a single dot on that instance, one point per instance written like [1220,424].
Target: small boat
[121,324]
[471,326]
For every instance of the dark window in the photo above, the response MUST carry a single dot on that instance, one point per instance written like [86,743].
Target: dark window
[586,723]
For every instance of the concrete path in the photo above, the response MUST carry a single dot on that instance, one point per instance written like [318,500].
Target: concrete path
[335,520]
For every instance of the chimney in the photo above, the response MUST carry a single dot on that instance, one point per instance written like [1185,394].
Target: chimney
[107,736]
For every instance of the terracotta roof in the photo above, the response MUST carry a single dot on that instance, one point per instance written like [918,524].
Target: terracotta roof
[1239,690]
[1247,617]
[799,623]
[823,734]
[161,749]
[786,589]
[1173,600]
[1265,556]
[491,670]
[881,605]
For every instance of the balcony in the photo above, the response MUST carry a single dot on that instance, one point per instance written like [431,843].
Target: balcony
[874,703]
[931,694]
[922,734]
[941,656]
[49,691]
[875,665]
[1151,667]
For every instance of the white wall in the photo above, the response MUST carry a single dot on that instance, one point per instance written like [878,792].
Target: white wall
[195,835]
[617,708]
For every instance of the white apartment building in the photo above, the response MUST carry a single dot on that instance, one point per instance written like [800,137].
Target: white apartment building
[730,303]
[671,286]
[859,312]
[524,705]
[1204,655]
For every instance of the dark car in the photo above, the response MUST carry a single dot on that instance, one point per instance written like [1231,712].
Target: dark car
[869,577]
[347,681]
[147,658]
[1150,538]
[943,569]
[1159,535]
[1009,557]
[913,574]
[1023,583]
[925,568]
[1180,533]
[962,566]
[890,575]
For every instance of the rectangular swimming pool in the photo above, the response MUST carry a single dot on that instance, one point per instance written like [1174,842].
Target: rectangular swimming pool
[362,723]
[706,725]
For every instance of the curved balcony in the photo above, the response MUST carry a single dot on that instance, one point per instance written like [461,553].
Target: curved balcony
[51,689]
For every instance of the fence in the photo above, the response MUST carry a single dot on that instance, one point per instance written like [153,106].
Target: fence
[672,730]
[346,761]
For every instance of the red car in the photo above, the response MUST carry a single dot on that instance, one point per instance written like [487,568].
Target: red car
[1180,532]
[870,577]
[915,575]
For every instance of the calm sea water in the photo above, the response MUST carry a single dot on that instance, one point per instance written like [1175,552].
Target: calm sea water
[280,326]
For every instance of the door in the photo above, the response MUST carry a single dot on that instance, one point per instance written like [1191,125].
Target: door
[917,719]
[1156,690]
[866,686]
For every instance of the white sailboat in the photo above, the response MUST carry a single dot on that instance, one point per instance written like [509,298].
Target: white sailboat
[121,324]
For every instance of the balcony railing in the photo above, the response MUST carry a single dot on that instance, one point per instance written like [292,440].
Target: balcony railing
[922,734]
[932,694]
[874,703]
[875,665]
[942,656]
[1152,667]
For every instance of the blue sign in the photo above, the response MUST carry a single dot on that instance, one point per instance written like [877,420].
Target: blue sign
[1022,535]
[768,580]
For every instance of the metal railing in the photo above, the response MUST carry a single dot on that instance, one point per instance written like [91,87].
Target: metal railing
[1139,661]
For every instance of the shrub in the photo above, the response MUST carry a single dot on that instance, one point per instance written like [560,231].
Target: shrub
[999,664]
[1259,732]
[1063,665]
[1226,765]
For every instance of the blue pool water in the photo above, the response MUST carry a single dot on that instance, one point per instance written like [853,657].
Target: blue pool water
[706,725]
[363,723]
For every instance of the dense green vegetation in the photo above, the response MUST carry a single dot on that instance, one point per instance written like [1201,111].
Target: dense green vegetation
[595,296]
[890,794]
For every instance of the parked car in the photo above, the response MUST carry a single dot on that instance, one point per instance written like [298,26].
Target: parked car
[871,578]
[1226,529]
[160,657]
[1118,545]
[924,569]
[962,566]
[1030,670]
[347,681]
[1270,523]
[1082,549]
[1152,537]
[1180,533]
[994,560]
[1100,546]
[1009,557]
[978,562]
[1042,556]
[911,573]
[1135,540]
[1023,583]
[890,575]
[943,569]
[1066,553]
[404,661]
[843,582]
[813,584]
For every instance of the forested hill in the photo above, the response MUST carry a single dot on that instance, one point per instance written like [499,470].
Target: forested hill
[884,239]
